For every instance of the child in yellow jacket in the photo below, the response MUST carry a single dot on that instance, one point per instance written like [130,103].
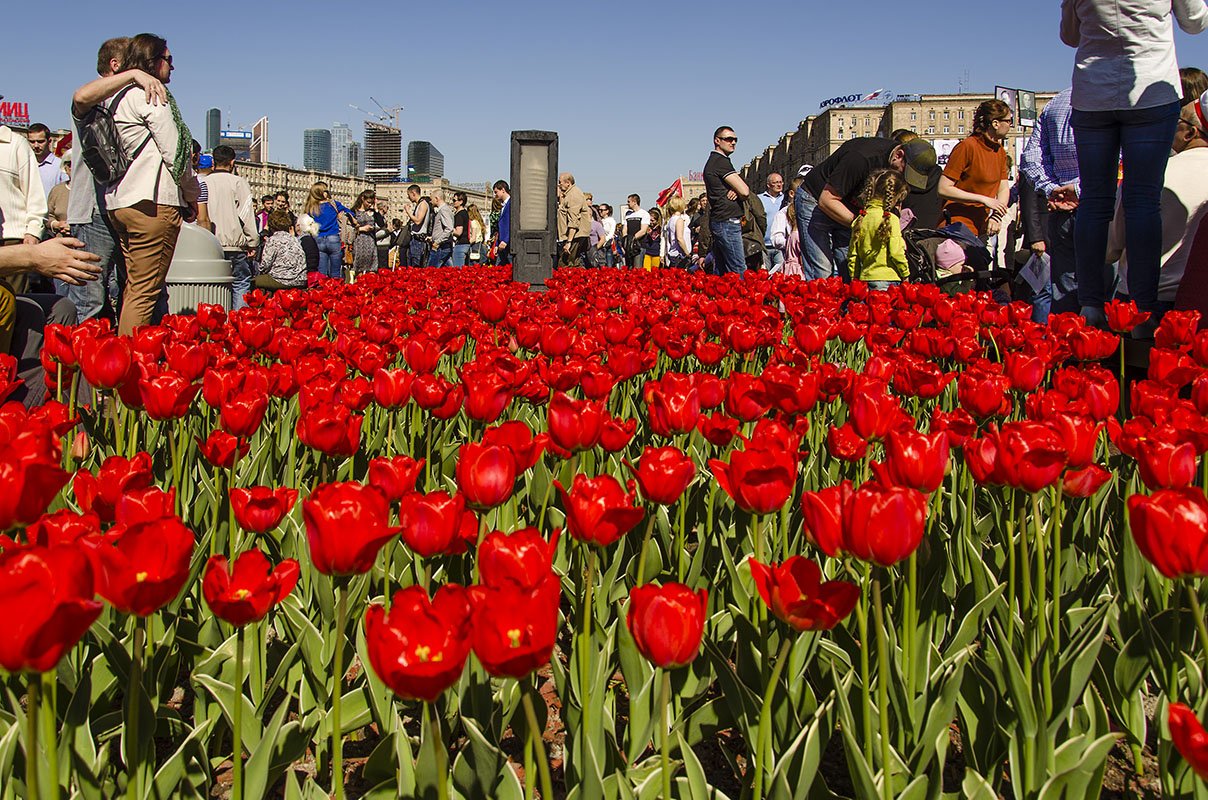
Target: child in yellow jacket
[878,249]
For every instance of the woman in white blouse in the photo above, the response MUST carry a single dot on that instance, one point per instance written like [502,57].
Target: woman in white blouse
[157,191]
[1126,103]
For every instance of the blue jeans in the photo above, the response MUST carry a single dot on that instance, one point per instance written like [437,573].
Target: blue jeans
[727,246]
[824,242]
[1142,137]
[881,286]
[241,275]
[442,255]
[773,258]
[1061,293]
[331,256]
[89,299]
[460,253]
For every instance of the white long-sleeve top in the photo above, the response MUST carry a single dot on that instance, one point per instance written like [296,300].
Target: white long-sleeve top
[778,231]
[1126,55]
[22,201]
[230,208]
[150,176]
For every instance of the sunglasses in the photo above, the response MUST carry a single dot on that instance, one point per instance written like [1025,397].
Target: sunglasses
[729,139]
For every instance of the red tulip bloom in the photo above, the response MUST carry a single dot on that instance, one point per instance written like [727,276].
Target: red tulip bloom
[514,629]
[1122,317]
[145,505]
[845,444]
[107,362]
[222,449]
[346,526]
[395,476]
[667,622]
[718,429]
[522,558]
[436,524]
[487,394]
[1025,371]
[248,592]
[422,354]
[1165,465]
[1170,528]
[62,527]
[240,414]
[142,568]
[1078,436]
[674,404]
[883,524]
[259,509]
[746,397]
[916,460]
[167,395]
[1189,737]
[47,605]
[759,480]
[392,387]
[1085,482]
[518,438]
[31,475]
[486,474]
[616,434]
[598,510]
[874,412]
[663,473]
[420,646]
[332,430]
[796,595]
[823,513]
[574,424]
[983,394]
[116,476]
[1031,456]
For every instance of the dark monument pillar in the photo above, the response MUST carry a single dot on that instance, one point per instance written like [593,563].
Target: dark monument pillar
[534,206]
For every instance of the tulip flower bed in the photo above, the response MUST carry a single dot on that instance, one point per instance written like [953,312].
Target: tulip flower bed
[644,535]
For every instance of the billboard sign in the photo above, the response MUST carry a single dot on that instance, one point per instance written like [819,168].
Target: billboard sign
[878,97]
[13,112]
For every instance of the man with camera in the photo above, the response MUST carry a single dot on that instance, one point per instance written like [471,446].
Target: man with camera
[420,224]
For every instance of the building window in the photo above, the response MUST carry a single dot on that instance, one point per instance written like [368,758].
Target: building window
[931,129]
[960,128]
[960,114]
[914,128]
[914,115]
[853,120]
[945,113]
[931,116]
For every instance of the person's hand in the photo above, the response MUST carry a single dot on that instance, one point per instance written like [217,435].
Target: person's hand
[157,93]
[29,238]
[1064,198]
[189,212]
[59,226]
[64,258]
[992,226]
[731,194]
[502,246]
[995,205]
[1037,248]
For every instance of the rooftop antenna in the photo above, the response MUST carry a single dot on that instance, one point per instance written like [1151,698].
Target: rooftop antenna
[962,81]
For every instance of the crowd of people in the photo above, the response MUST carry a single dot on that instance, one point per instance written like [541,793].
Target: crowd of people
[92,231]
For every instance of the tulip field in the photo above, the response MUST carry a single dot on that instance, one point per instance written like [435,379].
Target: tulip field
[642,535]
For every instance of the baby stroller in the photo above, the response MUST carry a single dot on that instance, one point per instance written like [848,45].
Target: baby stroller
[980,275]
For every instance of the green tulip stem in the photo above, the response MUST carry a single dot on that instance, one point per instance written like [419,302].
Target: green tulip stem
[1198,612]
[428,453]
[640,578]
[1019,533]
[1012,588]
[757,539]
[1041,610]
[910,624]
[530,774]
[586,649]
[536,743]
[337,738]
[865,670]
[134,769]
[50,727]
[214,511]
[439,753]
[237,721]
[665,738]
[882,689]
[763,734]
[1055,536]
[32,761]
[680,550]
[482,534]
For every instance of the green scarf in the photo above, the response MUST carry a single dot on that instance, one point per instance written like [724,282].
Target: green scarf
[184,142]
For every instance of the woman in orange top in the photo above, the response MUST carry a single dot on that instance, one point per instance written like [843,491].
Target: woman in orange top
[974,182]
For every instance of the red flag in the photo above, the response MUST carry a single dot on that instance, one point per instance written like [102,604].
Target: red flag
[676,189]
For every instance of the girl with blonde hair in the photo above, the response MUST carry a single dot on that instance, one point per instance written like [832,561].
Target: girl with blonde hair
[878,249]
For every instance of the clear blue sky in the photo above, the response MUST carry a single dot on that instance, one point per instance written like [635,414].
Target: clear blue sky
[633,89]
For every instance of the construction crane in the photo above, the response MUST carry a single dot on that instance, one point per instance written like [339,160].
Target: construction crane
[389,116]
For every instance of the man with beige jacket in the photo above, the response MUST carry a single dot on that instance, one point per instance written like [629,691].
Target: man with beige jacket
[574,221]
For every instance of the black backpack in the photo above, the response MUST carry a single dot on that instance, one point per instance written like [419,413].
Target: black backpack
[101,144]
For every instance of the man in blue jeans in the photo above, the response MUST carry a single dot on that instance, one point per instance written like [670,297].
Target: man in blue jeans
[829,198]
[726,191]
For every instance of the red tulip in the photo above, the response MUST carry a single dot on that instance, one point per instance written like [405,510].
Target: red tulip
[46,605]
[240,414]
[522,558]
[845,444]
[116,476]
[1164,465]
[420,646]
[759,480]
[674,404]
[663,473]
[883,524]
[916,460]
[796,595]
[332,430]
[983,394]
[1025,371]
[1122,316]
[873,411]
[107,362]
[574,424]
[667,622]
[395,476]
[145,505]
[1170,528]
[259,509]
[167,395]
[616,434]
[222,449]
[346,526]
[1188,737]
[436,524]
[486,474]
[1085,482]
[30,475]
[518,438]
[487,394]
[823,514]
[514,629]
[392,387]
[141,568]
[62,527]
[248,592]
[598,510]
[718,429]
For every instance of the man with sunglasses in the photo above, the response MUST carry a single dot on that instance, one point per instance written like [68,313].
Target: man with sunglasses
[727,193]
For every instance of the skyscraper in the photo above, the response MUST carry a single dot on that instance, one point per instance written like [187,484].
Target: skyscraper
[383,152]
[341,137]
[424,162]
[259,153]
[355,167]
[316,149]
[213,128]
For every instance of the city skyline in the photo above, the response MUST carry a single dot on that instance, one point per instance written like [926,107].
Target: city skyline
[638,114]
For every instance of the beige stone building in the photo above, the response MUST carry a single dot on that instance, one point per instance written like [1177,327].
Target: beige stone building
[942,119]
